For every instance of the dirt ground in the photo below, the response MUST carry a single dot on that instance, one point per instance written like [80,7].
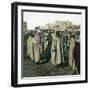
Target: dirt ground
[31,69]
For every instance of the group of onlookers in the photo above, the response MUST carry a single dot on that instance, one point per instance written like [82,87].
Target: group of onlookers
[56,47]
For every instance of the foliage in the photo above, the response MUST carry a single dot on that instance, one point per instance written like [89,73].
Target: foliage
[62,25]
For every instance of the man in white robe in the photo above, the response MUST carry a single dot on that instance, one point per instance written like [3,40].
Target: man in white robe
[55,50]
[30,47]
[58,55]
[37,47]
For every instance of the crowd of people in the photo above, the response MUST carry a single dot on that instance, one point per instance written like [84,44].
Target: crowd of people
[56,47]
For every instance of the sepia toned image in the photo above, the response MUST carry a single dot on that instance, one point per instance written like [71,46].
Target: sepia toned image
[50,43]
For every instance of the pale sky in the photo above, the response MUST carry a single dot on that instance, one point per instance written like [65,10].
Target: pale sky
[34,19]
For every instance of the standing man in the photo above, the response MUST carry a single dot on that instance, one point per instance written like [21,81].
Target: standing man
[37,47]
[71,52]
[30,47]
[58,53]
[53,49]
[62,47]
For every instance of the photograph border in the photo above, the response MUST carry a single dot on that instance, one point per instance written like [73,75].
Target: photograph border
[14,43]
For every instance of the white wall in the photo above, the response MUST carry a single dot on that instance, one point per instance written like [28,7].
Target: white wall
[5,46]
